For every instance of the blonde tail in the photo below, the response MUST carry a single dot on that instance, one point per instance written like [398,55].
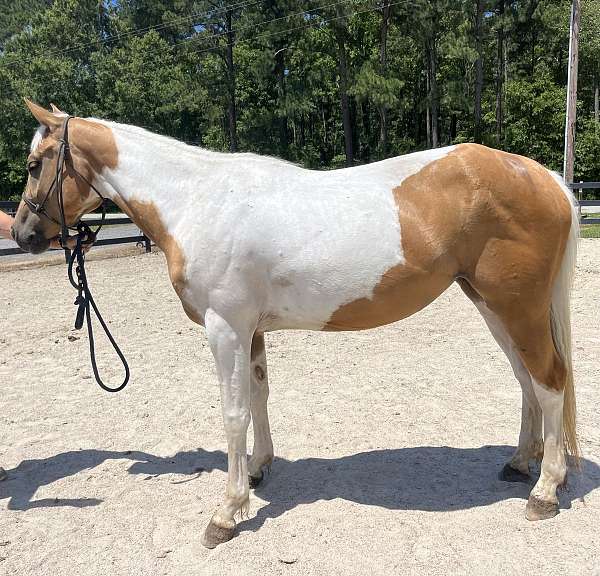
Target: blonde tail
[560,314]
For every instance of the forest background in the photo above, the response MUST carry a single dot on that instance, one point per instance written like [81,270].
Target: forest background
[324,83]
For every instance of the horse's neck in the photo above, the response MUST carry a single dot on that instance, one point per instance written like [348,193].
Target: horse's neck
[153,168]
[157,180]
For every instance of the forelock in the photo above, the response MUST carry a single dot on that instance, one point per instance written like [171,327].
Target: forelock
[38,137]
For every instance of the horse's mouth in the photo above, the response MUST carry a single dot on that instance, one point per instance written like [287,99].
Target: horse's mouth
[39,246]
[36,245]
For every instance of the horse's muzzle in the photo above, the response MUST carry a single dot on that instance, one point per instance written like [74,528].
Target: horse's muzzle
[30,239]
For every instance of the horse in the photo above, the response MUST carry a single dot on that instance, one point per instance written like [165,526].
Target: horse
[255,244]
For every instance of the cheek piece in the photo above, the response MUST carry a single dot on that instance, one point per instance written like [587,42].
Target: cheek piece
[84,236]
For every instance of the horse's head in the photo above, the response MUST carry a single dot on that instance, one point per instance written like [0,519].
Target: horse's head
[39,218]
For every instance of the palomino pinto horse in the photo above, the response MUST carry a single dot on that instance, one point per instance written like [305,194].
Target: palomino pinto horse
[255,244]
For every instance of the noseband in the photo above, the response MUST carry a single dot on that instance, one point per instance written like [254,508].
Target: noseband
[85,236]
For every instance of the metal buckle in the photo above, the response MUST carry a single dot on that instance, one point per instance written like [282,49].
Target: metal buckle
[33,206]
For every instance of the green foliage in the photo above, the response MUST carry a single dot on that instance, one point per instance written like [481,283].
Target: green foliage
[370,85]
[164,65]
[146,82]
[587,150]
[590,231]
[535,119]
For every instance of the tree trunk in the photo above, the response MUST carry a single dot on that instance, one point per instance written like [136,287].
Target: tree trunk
[428,109]
[344,100]
[596,100]
[500,75]
[453,126]
[433,91]
[366,124]
[231,109]
[416,106]
[282,118]
[531,8]
[383,115]
[478,71]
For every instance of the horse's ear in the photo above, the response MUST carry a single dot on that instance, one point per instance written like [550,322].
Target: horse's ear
[56,110]
[46,118]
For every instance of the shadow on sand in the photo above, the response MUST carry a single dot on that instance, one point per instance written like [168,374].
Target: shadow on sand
[429,478]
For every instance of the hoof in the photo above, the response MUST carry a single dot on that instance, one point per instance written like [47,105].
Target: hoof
[538,509]
[510,474]
[3,474]
[255,481]
[215,535]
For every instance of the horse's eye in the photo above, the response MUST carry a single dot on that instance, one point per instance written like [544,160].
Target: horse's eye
[31,166]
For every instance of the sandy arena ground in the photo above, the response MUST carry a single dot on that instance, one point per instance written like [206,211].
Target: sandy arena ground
[388,442]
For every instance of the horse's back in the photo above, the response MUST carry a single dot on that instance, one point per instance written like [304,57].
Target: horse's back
[357,248]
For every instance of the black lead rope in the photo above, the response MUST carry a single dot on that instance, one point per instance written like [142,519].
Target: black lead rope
[84,237]
[83,302]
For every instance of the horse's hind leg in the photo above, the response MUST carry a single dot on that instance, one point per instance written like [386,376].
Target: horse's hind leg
[531,332]
[524,312]
[262,451]
[530,445]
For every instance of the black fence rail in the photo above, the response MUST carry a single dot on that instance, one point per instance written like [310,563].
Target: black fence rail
[577,187]
[11,208]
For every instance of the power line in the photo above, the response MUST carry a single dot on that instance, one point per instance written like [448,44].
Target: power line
[206,39]
[196,40]
[134,32]
[311,24]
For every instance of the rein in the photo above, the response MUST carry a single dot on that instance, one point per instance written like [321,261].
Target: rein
[85,236]
[83,302]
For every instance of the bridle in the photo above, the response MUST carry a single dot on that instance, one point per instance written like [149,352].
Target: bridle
[57,186]
[85,236]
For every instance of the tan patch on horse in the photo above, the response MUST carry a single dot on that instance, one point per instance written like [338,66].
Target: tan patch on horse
[96,141]
[147,217]
[499,221]
[429,267]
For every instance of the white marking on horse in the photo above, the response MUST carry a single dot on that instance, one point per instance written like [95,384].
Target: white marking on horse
[37,138]
[313,241]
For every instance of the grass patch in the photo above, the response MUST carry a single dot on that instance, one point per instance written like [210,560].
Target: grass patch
[590,230]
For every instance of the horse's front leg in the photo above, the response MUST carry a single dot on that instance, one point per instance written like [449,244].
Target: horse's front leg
[262,452]
[231,349]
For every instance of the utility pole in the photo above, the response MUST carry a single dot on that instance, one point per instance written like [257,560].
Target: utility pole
[572,92]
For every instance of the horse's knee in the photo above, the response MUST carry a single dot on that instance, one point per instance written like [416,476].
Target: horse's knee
[236,421]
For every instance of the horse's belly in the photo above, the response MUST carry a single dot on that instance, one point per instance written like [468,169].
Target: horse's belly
[400,292]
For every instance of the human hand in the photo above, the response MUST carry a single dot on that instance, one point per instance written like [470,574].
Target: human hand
[6,223]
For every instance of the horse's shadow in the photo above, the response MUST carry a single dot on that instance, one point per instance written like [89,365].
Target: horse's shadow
[23,481]
[429,478]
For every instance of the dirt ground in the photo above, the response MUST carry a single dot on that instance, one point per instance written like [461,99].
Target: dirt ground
[388,442]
